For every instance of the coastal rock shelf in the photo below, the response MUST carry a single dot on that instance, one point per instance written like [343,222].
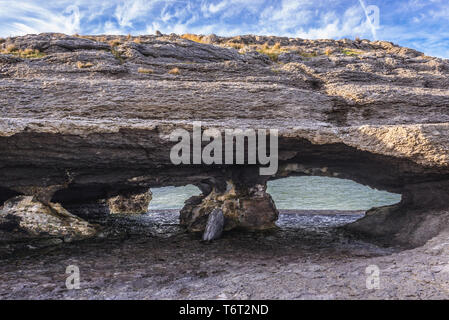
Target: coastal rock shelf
[85,126]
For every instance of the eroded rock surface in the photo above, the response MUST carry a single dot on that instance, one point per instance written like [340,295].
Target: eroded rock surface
[243,206]
[91,117]
[25,214]
[130,203]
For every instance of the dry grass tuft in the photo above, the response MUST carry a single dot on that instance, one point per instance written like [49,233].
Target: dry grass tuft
[27,53]
[272,52]
[84,65]
[192,37]
[236,46]
[145,70]
[308,55]
[10,49]
[174,71]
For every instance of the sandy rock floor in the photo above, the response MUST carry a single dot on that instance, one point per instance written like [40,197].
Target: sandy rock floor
[150,257]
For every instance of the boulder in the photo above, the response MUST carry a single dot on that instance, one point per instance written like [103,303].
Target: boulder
[25,214]
[214,227]
[130,203]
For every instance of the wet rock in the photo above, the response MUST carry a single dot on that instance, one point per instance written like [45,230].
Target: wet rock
[214,226]
[25,214]
[89,209]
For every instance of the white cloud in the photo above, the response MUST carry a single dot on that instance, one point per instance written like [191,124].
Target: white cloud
[27,17]
[422,22]
[130,10]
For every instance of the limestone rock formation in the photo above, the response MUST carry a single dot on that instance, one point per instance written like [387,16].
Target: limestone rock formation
[242,206]
[90,117]
[28,215]
[130,203]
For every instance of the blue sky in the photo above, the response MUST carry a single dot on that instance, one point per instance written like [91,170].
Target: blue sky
[419,24]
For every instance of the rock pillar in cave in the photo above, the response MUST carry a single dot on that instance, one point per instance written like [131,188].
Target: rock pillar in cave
[243,199]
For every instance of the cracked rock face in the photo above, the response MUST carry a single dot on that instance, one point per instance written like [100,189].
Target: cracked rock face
[28,215]
[90,120]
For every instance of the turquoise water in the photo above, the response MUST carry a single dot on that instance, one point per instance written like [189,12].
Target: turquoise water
[172,197]
[311,193]
[322,193]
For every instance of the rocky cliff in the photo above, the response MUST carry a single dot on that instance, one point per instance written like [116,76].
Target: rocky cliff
[86,119]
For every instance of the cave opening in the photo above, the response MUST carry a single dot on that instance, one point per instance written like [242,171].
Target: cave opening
[312,202]
[317,193]
[171,197]
[340,200]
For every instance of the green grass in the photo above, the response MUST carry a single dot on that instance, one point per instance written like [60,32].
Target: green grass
[308,55]
[351,53]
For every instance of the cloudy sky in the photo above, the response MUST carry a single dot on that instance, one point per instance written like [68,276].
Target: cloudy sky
[419,24]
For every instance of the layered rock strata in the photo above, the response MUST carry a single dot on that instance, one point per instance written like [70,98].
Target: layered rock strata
[90,118]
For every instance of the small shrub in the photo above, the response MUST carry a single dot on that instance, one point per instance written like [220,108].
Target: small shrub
[83,65]
[145,70]
[174,71]
[137,40]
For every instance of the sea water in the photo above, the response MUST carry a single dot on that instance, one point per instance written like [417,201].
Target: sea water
[300,193]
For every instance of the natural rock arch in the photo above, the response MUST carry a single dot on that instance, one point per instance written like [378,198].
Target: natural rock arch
[82,136]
